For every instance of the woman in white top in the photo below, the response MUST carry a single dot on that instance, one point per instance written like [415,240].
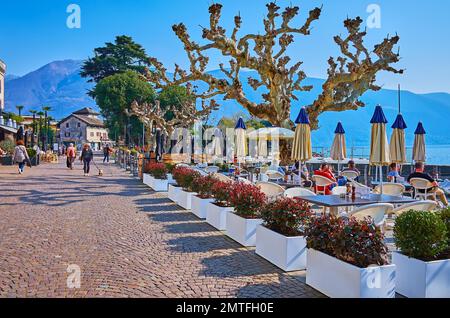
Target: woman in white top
[21,155]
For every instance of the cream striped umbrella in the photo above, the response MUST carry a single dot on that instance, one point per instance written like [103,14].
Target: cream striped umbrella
[379,146]
[419,149]
[301,147]
[398,146]
[241,140]
[262,147]
[339,149]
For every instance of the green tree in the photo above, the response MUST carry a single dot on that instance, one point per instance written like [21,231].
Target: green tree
[19,109]
[174,96]
[118,57]
[114,95]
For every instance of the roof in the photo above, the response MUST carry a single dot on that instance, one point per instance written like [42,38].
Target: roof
[9,129]
[86,111]
[91,121]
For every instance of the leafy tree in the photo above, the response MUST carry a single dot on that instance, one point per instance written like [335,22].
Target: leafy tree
[118,57]
[114,95]
[19,109]
[174,96]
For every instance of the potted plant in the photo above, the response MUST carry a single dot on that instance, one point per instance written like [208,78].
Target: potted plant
[280,239]
[184,176]
[155,176]
[7,146]
[247,200]
[217,211]
[202,185]
[348,259]
[423,264]
[34,160]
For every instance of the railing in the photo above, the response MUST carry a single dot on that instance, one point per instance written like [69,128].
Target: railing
[127,162]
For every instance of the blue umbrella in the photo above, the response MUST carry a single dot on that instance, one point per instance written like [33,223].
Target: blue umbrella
[419,149]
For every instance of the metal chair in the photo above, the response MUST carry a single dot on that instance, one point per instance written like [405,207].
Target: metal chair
[323,182]
[420,184]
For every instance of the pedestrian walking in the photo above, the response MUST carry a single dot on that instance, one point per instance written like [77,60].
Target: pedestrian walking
[71,155]
[86,157]
[106,153]
[21,156]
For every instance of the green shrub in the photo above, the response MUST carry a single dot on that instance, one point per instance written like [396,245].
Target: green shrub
[31,152]
[421,234]
[170,167]
[8,146]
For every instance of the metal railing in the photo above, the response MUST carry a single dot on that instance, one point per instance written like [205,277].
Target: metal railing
[127,162]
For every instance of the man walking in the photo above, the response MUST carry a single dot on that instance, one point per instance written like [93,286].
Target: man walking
[106,152]
[71,155]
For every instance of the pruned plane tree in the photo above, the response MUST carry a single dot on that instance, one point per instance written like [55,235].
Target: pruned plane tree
[349,75]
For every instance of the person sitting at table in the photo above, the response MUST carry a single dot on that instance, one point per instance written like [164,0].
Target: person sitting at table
[352,167]
[326,171]
[393,174]
[306,181]
[420,173]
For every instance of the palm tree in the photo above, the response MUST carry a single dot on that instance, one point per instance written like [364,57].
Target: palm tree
[33,112]
[19,108]
[46,109]
[40,114]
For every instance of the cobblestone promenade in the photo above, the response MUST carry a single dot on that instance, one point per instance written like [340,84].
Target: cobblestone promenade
[126,240]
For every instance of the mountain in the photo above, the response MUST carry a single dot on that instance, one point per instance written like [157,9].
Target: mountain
[59,85]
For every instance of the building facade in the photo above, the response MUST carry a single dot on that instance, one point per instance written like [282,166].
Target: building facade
[2,85]
[82,127]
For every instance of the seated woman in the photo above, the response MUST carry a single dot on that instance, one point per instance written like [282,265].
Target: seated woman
[393,174]
[326,171]
[306,182]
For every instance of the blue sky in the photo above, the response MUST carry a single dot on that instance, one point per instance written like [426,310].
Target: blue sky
[34,33]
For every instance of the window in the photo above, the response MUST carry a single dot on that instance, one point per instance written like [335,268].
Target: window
[92,134]
[98,134]
[67,125]
[79,125]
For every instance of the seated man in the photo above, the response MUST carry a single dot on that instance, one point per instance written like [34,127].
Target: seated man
[352,167]
[393,174]
[419,173]
[326,172]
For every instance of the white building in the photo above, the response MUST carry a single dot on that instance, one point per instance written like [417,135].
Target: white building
[82,127]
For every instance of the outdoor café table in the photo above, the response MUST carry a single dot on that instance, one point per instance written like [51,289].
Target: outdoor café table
[335,201]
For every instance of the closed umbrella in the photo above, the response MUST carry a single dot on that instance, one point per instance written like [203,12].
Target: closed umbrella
[379,146]
[419,149]
[339,149]
[398,145]
[301,148]
[241,140]
[217,144]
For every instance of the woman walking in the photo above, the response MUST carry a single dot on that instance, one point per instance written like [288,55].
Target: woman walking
[86,156]
[21,155]
[71,155]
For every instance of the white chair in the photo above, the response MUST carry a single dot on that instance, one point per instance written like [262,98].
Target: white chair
[243,180]
[322,181]
[423,185]
[349,174]
[263,177]
[271,190]
[274,175]
[394,189]
[202,172]
[416,206]
[378,212]
[298,192]
[211,169]
[222,177]
[339,190]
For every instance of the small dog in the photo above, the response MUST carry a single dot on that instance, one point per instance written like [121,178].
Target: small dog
[100,172]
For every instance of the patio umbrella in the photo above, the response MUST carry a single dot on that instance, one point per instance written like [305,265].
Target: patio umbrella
[241,140]
[379,146]
[217,149]
[262,147]
[398,145]
[419,149]
[339,149]
[301,148]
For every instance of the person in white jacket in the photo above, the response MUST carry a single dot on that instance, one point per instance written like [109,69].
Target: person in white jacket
[21,156]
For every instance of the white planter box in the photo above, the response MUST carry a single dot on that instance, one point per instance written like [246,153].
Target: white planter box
[339,279]
[159,185]
[185,199]
[419,279]
[174,193]
[199,206]
[242,230]
[170,178]
[147,179]
[288,253]
[217,215]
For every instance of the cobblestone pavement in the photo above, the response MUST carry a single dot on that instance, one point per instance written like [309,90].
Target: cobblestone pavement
[127,241]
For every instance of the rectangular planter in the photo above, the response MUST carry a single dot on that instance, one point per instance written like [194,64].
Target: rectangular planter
[339,279]
[217,215]
[174,193]
[419,279]
[159,185]
[288,253]
[147,179]
[199,206]
[185,199]
[242,230]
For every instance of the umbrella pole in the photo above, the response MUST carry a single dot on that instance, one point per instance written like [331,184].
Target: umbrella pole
[381,179]
[300,173]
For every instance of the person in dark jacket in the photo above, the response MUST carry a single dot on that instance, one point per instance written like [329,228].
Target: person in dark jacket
[86,157]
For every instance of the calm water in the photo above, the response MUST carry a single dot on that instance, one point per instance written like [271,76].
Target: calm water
[436,154]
